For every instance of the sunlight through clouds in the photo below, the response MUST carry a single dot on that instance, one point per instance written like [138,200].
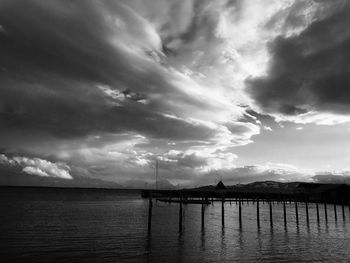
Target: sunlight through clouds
[185,82]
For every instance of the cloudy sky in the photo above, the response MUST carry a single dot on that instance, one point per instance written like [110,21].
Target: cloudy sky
[92,93]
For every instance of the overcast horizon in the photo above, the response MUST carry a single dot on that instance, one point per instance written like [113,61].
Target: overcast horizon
[92,93]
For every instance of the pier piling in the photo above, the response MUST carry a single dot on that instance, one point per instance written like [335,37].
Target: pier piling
[257,214]
[284,213]
[202,213]
[180,215]
[271,220]
[307,212]
[240,213]
[150,213]
[335,210]
[296,212]
[317,213]
[222,211]
[325,210]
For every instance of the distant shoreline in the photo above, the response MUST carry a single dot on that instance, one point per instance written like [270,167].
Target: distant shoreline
[69,188]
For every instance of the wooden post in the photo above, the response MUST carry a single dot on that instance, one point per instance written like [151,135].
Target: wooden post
[325,210]
[240,213]
[343,209]
[202,210]
[150,212]
[271,220]
[307,212]
[222,211]
[335,209]
[257,214]
[317,213]
[296,212]
[284,213]
[180,214]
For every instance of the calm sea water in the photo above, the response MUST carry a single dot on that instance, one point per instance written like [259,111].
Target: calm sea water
[59,225]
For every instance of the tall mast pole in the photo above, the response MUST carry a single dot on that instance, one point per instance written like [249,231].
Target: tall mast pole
[156,174]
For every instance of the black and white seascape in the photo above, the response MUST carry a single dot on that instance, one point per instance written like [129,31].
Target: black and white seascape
[174,131]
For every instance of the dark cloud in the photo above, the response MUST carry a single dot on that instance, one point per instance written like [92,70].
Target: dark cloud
[27,107]
[109,86]
[75,39]
[309,71]
[53,57]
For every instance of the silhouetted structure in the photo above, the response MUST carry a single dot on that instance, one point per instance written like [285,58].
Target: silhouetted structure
[296,191]
[220,186]
[271,192]
[328,192]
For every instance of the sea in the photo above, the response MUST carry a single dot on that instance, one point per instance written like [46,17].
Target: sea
[97,225]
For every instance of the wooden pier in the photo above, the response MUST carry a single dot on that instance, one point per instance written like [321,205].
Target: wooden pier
[205,198]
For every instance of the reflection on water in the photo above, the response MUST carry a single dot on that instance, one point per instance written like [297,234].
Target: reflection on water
[101,226]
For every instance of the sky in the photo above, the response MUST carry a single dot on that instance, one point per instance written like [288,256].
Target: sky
[93,93]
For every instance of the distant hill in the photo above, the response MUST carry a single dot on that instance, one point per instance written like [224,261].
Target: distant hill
[268,187]
[271,187]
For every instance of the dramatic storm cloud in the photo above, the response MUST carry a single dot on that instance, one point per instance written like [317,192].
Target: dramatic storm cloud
[308,78]
[100,90]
